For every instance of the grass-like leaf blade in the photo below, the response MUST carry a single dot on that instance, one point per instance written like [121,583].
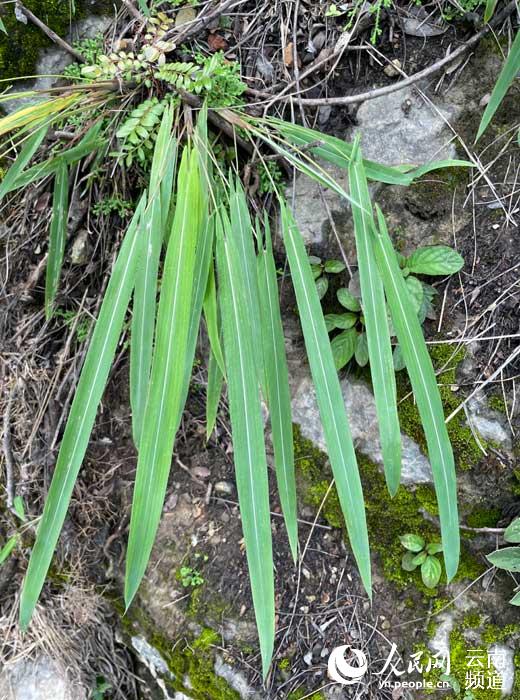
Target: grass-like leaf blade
[330,400]
[145,293]
[213,393]
[426,392]
[376,326]
[277,385]
[509,71]
[27,152]
[339,152]
[211,316]
[57,236]
[166,395]
[248,434]
[82,414]
[90,141]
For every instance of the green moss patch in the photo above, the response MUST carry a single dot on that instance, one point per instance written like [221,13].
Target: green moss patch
[190,662]
[467,452]
[387,517]
[21,46]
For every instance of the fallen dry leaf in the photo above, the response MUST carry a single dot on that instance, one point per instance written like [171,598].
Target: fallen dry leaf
[217,42]
[288,55]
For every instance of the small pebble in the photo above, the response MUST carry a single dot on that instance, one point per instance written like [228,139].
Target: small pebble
[392,70]
[224,487]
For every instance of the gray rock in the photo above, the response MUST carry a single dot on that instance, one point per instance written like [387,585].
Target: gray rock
[440,642]
[155,663]
[235,679]
[38,679]
[53,61]
[491,425]
[420,23]
[361,412]
[402,128]
[79,252]
[309,202]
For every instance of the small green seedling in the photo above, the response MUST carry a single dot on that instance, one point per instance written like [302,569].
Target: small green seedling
[190,577]
[351,341]
[421,554]
[102,687]
[11,544]
[508,558]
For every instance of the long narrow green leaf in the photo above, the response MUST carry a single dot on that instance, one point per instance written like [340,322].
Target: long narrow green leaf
[29,149]
[330,400]
[69,156]
[248,435]
[339,152]
[277,385]
[509,71]
[490,9]
[82,414]
[213,393]
[211,316]
[145,293]
[167,187]
[426,392]
[57,236]
[376,325]
[242,230]
[166,393]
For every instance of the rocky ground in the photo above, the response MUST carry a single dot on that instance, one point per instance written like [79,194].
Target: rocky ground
[191,633]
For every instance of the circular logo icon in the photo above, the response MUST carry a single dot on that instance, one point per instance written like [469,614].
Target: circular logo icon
[341,671]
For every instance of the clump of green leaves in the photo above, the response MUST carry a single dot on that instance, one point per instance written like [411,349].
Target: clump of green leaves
[214,76]
[351,341]
[91,50]
[101,688]
[70,318]
[270,176]
[190,577]
[508,558]
[420,554]
[137,134]
[114,204]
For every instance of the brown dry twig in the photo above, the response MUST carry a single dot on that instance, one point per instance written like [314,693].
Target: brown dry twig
[430,70]
[52,35]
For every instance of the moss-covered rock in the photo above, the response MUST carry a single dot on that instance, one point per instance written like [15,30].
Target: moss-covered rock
[387,517]
[467,452]
[21,46]
[190,661]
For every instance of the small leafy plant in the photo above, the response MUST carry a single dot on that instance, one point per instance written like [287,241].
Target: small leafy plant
[190,577]
[101,688]
[351,341]
[12,543]
[418,553]
[508,558]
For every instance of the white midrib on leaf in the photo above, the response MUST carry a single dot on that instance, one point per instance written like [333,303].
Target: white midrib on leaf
[278,392]
[324,383]
[234,301]
[79,431]
[418,364]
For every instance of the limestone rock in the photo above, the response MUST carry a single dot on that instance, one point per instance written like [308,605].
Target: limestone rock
[361,412]
[402,128]
[37,679]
